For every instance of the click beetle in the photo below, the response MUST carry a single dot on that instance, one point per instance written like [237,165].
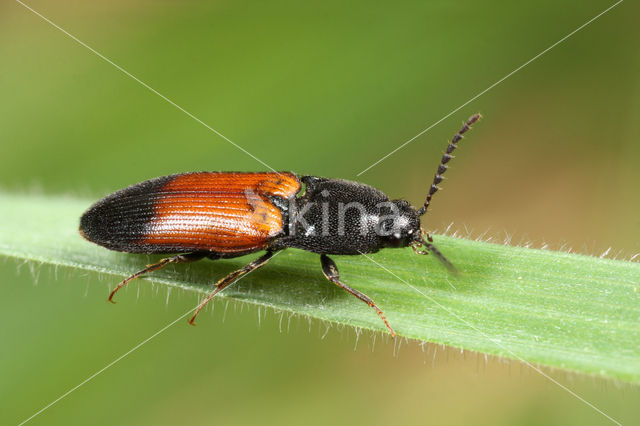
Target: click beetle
[221,215]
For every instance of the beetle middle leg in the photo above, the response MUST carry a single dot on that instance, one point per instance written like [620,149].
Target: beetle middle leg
[181,258]
[330,271]
[230,279]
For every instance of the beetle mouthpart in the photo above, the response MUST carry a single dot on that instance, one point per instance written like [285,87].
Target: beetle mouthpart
[418,248]
[430,248]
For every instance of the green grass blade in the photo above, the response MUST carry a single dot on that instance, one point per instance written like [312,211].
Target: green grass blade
[550,308]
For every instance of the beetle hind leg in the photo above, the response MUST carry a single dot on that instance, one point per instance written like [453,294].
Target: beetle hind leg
[181,258]
[330,271]
[230,279]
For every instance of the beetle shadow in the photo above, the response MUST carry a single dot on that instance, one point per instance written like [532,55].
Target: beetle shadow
[274,283]
[292,283]
[288,285]
[427,273]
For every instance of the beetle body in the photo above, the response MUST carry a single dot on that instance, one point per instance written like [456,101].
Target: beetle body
[230,214]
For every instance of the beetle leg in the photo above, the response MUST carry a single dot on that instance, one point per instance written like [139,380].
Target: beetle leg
[330,271]
[181,258]
[230,279]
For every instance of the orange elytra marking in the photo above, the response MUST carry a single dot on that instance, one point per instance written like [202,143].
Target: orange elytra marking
[220,212]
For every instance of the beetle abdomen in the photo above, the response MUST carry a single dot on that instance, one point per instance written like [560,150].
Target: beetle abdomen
[219,212]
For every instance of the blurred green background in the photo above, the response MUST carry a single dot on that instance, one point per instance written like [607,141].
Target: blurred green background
[322,88]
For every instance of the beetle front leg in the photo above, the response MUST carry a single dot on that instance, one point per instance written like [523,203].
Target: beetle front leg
[330,271]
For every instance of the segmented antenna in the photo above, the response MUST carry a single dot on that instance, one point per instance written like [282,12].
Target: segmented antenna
[445,159]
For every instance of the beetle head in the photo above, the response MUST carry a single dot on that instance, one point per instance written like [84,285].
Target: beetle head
[399,224]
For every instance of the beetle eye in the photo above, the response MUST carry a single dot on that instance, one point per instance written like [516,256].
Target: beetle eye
[386,226]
